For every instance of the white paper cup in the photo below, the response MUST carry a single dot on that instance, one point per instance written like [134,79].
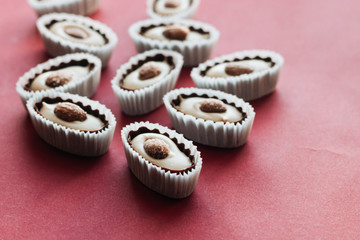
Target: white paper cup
[83,143]
[194,52]
[188,13]
[79,7]
[165,182]
[57,46]
[145,100]
[247,86]
[85,86]
[218,134]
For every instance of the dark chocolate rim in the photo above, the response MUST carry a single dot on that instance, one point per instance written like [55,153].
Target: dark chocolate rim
[157,58]
[268,60]
[87,108]
[176,102]
[81,23]
[132,134]
[83,63]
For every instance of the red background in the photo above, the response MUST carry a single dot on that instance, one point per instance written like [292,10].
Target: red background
[298,176]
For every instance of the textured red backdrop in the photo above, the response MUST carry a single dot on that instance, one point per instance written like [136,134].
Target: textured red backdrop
[298,176]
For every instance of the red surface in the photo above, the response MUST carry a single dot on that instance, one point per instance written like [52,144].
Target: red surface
[298,177]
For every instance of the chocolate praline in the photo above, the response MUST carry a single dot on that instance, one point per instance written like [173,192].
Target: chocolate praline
[161,150]
[209,108]
[147,72]
[59,75]
[73,115]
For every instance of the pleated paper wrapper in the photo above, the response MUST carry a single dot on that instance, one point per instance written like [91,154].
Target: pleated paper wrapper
[170,184]
[89,144]
[79,7]
[247,86]
[85,86]
[188,13]
[57,46]
[217,134]
[194,52]
[145,100]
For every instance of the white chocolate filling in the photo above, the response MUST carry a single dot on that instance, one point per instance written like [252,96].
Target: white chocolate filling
[133,82]
[91,123]
[176,160]
[156,33]
[191,106]
[93,37]
[161,9]
[76,73]
[253,64]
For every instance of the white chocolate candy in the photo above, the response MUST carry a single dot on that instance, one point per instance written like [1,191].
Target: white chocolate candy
[156,33]
[254,64]
[91,123]
[176,159]
[75,73]
[133,82]
[191,106]
[86,35]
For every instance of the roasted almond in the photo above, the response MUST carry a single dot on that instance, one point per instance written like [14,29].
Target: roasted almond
[176,32]
[212,106]
[172,3]
[156,148]
[69,112]
[149,70]
[76,32]
[235,69]
[57,79]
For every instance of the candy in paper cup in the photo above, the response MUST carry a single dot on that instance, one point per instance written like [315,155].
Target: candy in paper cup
[197,125]
[168,182]
[85,85]
[79,7]
[83,31]
[194,51]
[249,86]
[144,100]
[62,128]
[182,9]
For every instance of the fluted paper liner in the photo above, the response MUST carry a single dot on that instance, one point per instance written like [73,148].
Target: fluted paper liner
[77,142]
[145,100]
[188,13]
[170,184]
[207,132]
[56,46]
[80,7]
[85,86]
[247,86]
[194,52]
